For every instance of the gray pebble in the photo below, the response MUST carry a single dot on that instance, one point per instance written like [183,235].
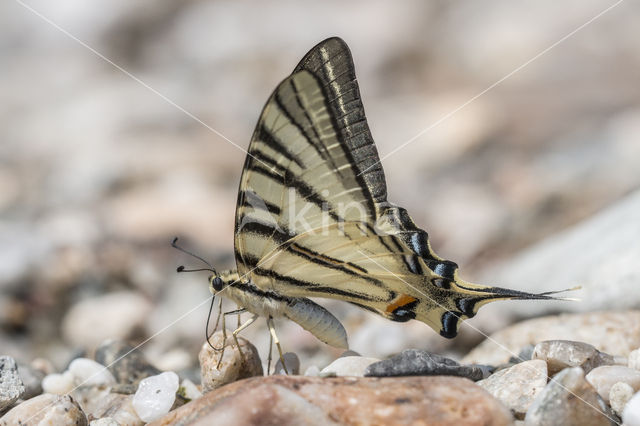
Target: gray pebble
[32,380]
[11,386]
[292,362]
[414,362]
[560,354]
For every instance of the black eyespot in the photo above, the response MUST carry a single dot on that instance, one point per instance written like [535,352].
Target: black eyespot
[216,283]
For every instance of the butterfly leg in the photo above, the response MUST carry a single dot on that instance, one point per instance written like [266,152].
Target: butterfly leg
[272,330]
[239,329]
[269,357]
[224,333]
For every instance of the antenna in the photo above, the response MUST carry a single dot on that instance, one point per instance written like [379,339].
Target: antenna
[182,269]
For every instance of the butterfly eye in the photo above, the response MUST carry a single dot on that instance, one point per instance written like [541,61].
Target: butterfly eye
[441,283]
[216,283]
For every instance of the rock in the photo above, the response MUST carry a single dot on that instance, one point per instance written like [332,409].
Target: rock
[156,395]
[58,384]
[32,380]
[348,366]
[46,409]
[560,354]
[611,332]
[517,386]
[634,359]
[11,385]
[292,362]
[291,400]
[110,316]
[631,413]
[568,400]
[619,395]
[414,362]
[128,366]
[312,371]
[87,372]
[525,354]
[188,390]
[603,378]
[234,365]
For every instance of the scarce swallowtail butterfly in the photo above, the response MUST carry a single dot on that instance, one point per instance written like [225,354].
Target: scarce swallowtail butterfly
[313,220]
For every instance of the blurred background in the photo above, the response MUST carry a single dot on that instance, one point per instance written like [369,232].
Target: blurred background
[114,117]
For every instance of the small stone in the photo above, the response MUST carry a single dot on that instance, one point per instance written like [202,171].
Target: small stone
[568,400]
[87,372]
[113,315]
[349,366]
[619,395]
[517,386]
[46,409]
[560,354]
[188,390]
[525,354]
[44,365]
[234,366]
[58,384]
[293,400]
[414,362]
[631,413]
[292,362]
[603,378]
[156,395]
[128,366]
[32,380]
[312,371]
[11,386]
[634,359]
[105,421]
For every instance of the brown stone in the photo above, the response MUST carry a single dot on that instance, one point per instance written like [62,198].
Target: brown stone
[292,400]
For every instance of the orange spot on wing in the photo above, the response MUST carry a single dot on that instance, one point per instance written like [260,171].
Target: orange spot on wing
[402,300]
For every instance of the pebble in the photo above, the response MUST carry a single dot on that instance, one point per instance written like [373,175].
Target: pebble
[58,384]
[233,366]
[46,409]
[634,359]
[292,362]
[631,413]
[414,362]
[117,406]
[312,371]
[155,396]
[344,400]
[619,395]
[32,380]
[611,332]
[525,354]
[603,378]
[348,366]
[560,354]
[568,400]
[127,366]
[11,385]
[517,386]
[188,390]
[111,316]
[88,372]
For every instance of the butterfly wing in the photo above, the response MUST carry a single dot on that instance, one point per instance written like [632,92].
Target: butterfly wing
[312,217]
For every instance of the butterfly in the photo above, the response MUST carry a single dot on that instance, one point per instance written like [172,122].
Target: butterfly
[313,219]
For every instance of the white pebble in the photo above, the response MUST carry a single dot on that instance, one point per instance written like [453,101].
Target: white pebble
[58,384]
[631,413]
[634,359]
[155,396]
[190,390]
[603,378]
[619,395]
[87,372]
[312,371]
[349,366]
